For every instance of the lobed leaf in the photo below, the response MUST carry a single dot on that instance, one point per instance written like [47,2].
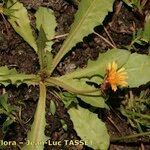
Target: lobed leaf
[85,121]
[46,24]
[90,14]
[20,22]
[41,43]
[37,134]
[10,76]
[45,18]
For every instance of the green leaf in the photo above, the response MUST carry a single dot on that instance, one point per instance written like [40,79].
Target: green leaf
[3,147]
[64,125]
[90,129]
[36,135]
[68,98]
[2,111]
[95,70]
[5,107]
[45,20]
[90,14]
[41,43]
[52,107]
[4,102]
[20,22]
[96,101]
[5,71]
[45,57]
[10,76]
[8,110]
[146,31]
[82,88]
[138,70]
[142,36]
[7,123]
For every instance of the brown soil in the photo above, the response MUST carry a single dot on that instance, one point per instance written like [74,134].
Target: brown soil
[15,53]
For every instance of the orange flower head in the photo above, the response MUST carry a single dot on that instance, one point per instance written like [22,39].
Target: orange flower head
[115,77]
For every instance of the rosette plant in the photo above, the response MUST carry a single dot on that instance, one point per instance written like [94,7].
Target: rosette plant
[107,70]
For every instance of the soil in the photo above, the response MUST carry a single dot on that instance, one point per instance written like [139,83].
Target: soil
[16,53]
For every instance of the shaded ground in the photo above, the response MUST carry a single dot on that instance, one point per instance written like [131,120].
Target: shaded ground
[14,52]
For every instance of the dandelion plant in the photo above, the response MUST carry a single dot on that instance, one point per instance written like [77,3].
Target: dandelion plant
[117,67]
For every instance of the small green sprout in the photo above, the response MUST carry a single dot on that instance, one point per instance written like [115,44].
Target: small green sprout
[64,125]
[135,108]
[7,110]
[142,36]
[52,107]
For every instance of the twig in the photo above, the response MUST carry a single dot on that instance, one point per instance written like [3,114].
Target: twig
[112,41]
[142,147]
[20,119]
[118,8]
[109,43]
[5,24]
[114,111]
[114,125]
[3,91]
[59,36]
